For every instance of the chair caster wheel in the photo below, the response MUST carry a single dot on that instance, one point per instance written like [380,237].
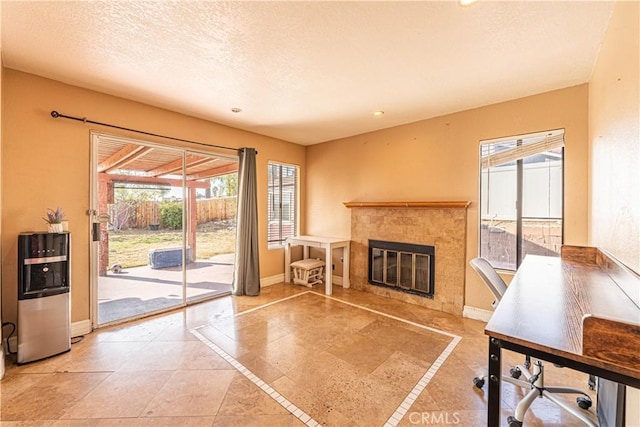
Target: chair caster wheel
[478,382]
[513,422]
[515,372]
[584,402]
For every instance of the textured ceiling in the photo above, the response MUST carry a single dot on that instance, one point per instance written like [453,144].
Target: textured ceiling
[308,72]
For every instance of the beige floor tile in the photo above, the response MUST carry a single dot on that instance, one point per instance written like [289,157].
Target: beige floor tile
[99,357]
[363,353]
[30,423]
[286,344]
[369,401]
[319,406]
[459,418]
[123,394]
[425,347]
[176,332]
[191,393]
[50,397]
[229,345]
[260,367]
[245,398]
[160,356]
[138,422]
[15,384]
[259,334]
[254,421]
[425,403]
[401,370]
[284,354]
[201,357]
[323,373]
[452,387]
[45,366]
[141,330]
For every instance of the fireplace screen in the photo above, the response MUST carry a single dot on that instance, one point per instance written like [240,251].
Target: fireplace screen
[404,266]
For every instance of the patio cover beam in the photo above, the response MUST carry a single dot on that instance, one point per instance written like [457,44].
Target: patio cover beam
[151,180]
[210,173]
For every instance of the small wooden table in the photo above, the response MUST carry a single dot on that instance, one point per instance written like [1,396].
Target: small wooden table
[548,311]
[328,244]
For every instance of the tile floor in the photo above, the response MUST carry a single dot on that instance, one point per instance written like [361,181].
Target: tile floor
[290,357]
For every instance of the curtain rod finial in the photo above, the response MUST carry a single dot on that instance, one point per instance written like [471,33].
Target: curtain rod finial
[55,114]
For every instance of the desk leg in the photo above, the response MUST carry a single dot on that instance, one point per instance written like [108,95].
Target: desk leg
[345,267]
[493,413]
[287,263]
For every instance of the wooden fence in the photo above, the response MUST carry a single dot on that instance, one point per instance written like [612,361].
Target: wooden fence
[143,214]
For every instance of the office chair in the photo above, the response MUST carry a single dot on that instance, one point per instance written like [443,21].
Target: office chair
[533,380]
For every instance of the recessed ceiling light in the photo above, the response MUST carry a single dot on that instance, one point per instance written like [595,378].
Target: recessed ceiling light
[378,113]
[466,2]
[236,110]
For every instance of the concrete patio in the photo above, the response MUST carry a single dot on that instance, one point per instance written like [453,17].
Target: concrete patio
[139,290]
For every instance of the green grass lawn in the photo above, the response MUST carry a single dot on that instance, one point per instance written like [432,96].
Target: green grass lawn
[130,248]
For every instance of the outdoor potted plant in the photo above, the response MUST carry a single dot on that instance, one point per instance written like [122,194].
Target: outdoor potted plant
[54,220]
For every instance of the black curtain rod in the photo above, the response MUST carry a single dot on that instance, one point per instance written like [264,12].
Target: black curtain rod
[55,115]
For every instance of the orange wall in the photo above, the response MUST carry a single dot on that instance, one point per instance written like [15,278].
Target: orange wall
[437,159]
[614,134]
[46,163]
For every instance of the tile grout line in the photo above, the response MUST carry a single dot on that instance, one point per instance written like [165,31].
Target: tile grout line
[413,395]
[391,316]
[271,392]
[251,310]
[404,406]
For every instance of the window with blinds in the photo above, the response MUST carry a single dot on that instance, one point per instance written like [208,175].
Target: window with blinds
[282,202]
[521,197]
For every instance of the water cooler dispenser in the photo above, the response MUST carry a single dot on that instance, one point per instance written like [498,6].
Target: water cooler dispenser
[44,306]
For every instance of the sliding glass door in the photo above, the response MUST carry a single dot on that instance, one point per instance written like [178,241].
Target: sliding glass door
[211,231]
[163,225]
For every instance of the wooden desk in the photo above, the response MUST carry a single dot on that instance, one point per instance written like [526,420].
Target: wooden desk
[328,244]
[545,313]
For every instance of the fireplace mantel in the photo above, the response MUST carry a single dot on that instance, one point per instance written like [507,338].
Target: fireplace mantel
[424,205]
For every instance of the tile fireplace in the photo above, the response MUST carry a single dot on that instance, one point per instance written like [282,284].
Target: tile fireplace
[439,225]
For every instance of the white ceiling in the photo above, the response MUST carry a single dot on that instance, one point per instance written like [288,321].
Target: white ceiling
[307,72]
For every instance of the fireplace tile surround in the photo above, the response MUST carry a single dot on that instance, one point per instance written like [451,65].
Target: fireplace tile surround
[440,224]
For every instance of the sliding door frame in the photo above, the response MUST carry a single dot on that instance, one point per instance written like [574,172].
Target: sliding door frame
[94,217]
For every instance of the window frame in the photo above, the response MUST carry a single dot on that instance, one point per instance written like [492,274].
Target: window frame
[519,184]
[293,212]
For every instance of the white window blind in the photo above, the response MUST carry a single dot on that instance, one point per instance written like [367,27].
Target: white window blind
[499,152]
[282,197]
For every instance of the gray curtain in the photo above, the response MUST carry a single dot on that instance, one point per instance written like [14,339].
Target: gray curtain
[246,273]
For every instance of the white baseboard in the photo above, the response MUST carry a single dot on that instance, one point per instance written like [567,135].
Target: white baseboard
[82,327]
[336,280]
[476,313]
[268,281]
[1,361]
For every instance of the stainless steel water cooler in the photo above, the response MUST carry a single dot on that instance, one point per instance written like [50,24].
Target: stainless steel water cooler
[44,306]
